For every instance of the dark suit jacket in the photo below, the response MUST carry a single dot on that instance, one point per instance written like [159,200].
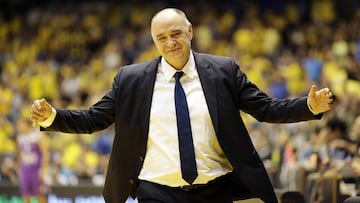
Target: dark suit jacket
[227,90]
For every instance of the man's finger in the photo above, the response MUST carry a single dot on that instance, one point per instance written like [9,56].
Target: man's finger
[37,104]
[35,114]
[312,91]
[43,102]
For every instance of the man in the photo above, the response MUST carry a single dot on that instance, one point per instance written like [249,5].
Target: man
[145,161]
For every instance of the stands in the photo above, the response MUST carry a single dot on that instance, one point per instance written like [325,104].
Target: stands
[53,51]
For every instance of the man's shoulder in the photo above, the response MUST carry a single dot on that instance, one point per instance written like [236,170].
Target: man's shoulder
[141,66]
[211,57]
[209,60]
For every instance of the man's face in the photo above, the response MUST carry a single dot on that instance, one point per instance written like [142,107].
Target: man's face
[172,36]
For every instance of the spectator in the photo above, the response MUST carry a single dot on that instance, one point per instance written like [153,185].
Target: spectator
[33,162]
[8,169]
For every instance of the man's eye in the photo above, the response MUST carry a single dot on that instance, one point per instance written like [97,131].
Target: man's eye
[162,39]
[177,34]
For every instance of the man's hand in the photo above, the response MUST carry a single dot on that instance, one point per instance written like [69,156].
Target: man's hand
[321,100]
[40,110]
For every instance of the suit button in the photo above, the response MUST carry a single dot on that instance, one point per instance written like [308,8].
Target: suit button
[141,158]
[132,181]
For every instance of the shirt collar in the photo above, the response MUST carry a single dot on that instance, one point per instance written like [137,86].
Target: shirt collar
[188,69]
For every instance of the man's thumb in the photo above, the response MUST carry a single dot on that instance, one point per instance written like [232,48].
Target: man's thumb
[312,91]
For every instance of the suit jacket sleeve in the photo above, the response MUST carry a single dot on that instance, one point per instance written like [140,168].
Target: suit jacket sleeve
[254,101]
[98,117]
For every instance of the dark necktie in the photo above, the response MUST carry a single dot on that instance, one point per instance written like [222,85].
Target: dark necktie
[186,146]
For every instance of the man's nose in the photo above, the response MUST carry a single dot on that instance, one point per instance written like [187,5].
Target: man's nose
[171,42]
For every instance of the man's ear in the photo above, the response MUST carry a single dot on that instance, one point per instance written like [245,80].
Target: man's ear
[190,31]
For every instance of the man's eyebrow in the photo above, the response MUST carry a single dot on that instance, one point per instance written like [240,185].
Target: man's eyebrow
[172,31]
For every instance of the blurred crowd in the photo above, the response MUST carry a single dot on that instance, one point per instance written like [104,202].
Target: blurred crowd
[68,53]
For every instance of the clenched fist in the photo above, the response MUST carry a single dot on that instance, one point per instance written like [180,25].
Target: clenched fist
[40,110]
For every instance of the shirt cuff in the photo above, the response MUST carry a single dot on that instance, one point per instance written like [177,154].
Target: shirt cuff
[48,122]
[312,111]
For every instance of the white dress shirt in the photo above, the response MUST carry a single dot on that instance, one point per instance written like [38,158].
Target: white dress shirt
[162,162]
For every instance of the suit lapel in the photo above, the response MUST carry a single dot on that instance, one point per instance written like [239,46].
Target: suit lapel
[147,89]
[208,84]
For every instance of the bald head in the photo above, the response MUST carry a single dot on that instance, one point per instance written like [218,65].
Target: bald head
[172,33]
[168,14]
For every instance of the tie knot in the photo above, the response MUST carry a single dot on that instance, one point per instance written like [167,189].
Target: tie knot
[178,75]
